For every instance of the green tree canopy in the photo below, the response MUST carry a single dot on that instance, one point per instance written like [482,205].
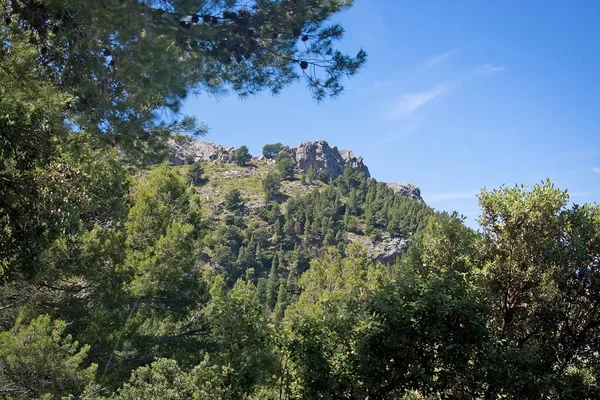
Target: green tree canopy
[242,155]
[233,200]
[123,61]
[37,359]
[270,151]
[285,165]
[194,174]
[271,186]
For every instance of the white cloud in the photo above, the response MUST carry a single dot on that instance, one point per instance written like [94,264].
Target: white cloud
[438,198]
[438,58]
[596,170]
[409,102]
[489,69]
[397,134]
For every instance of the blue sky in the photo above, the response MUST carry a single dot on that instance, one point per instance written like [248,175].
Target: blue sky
[456,96]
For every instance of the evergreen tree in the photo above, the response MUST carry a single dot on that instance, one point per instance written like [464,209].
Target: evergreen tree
[161,52]
[233,200]
[282,302]
[310,173]
[323,176]
[271,151]
[194,174]
[242,155]
[38,360]
[285,165]
[272,286]
[271,186]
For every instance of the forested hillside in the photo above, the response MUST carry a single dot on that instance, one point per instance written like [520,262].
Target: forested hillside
[125,277]
[264,214]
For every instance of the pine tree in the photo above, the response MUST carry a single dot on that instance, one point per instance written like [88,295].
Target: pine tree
[282,302]
[242,155]
[272,286]
[310,173]
[285,165]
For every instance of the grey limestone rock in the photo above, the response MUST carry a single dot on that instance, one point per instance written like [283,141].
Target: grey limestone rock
[318,155]
[385,249]
[185,149]
[322,157]
[406,189]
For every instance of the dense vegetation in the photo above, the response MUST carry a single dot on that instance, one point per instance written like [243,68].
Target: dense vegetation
[118,281]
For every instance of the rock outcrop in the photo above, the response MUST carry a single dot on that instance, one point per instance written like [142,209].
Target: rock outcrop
[322,157]
[186,149]
[406,189]
[318,155]
[385,250]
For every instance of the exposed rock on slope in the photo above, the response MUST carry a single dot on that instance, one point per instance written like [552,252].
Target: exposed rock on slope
[406,189]
[321,157]
[318,155]
[385,250]
[185,149]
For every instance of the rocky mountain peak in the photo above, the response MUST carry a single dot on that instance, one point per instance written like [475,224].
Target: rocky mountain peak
[322,157]
[318,155]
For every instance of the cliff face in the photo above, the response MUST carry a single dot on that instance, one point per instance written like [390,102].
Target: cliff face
[321,157]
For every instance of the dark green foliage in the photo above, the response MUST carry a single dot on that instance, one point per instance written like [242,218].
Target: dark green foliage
[386,210]
[310,174]
[194,174]
[162,51]
[285,165]
[434,323]
[233,200]
[271,151]
[114,283]
[37,359]
[271,186]
[271,288]
[323,176]
[242,155]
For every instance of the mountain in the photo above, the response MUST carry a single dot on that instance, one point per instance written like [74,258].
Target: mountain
[318,155]
[332,200]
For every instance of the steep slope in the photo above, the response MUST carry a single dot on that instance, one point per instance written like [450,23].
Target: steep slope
[344,205]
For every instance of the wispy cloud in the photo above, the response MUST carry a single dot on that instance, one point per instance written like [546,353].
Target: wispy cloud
[407,103]
[438,58]
[375,86]
[584,193]
[488,69]
[397,134]
[438,198]
[596,170]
